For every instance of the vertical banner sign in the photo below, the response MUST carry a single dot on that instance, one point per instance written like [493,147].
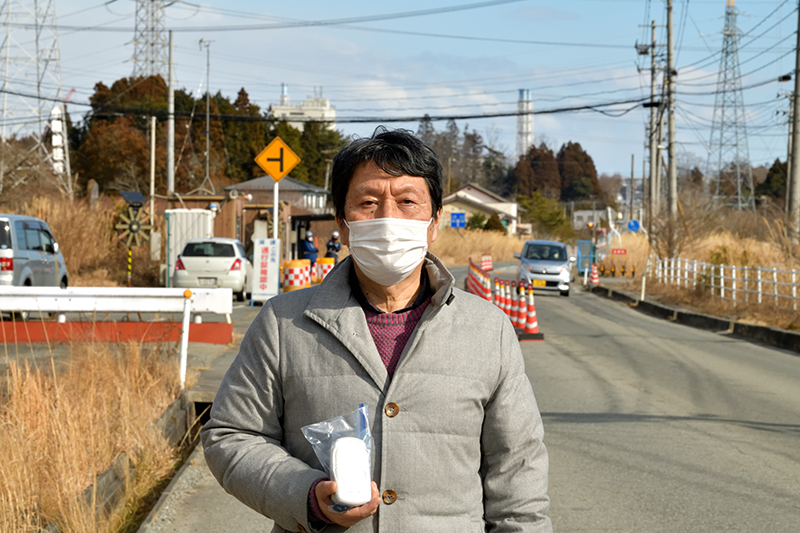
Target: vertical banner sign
[266,269]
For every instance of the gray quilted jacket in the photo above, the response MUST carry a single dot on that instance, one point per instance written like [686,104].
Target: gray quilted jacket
[460,446]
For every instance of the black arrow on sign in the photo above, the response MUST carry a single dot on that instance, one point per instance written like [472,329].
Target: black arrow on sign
[278,159]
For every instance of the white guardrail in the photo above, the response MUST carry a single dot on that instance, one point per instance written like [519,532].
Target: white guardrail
[121,300]
[733,283]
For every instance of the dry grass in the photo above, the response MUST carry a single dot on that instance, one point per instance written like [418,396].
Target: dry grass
[59,431]
[93,254]
[771,249]
[455,246]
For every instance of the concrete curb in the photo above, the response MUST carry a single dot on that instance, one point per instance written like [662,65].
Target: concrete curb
[778,338]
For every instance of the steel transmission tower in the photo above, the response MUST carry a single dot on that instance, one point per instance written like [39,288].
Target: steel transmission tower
[524,122]
[31,95]
[30,66]
[729,154]
[150,45]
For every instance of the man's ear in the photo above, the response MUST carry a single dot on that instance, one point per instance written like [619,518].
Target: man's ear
[344,232]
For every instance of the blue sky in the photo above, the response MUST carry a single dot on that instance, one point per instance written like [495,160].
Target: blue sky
[463,62]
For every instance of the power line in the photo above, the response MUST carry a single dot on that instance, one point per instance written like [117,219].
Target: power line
[312,23]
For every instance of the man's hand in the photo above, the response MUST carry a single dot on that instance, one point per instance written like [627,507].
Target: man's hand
[325,489]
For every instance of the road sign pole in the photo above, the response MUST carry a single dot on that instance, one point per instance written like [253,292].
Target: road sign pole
[275,211]
[130,259]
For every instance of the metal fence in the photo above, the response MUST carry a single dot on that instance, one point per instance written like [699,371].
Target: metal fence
[121,299]
[749,285]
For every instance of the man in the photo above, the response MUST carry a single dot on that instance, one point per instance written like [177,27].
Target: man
[307,248]
[457,436]
[334,247]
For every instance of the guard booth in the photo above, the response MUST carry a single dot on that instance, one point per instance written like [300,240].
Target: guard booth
[587,254]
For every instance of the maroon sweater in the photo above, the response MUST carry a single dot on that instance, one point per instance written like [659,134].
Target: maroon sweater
[391,332]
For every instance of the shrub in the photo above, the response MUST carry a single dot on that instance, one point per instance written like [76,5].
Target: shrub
[494,224]
[476,221]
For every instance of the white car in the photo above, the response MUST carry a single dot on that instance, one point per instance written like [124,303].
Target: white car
[214,262]
[29,255]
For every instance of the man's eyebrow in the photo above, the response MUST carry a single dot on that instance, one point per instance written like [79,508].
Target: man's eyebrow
[368,189]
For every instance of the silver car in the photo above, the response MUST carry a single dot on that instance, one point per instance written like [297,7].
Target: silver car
[29,254]
[214,262]
[545,264]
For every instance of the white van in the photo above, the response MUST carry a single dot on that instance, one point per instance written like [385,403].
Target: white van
[29,255]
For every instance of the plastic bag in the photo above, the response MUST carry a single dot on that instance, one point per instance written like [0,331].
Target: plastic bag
[323,437]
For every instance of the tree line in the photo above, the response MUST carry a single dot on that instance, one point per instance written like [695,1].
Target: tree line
[112,145]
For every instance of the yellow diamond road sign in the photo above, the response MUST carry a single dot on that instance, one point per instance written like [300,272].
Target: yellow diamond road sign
[277,159]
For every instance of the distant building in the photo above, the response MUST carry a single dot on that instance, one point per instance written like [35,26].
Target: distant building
[317,108]
[472,198]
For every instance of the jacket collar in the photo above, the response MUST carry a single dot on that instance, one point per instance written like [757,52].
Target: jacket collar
[334,307]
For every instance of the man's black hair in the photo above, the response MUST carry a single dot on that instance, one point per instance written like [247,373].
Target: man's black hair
[396,152]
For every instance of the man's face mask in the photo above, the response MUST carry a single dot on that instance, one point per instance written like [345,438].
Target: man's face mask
[387,250]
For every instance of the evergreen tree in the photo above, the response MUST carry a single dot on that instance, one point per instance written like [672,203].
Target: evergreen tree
[495,224]
[578,174]
[547,216]
[775,183]
[242,140]
[426,131]
[523,174]
[476,221]
[471,157]
[545,177]
[496,173]
[320,144]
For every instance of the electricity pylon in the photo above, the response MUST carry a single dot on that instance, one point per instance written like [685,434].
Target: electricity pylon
[31,96]
[729,154]
[149,41]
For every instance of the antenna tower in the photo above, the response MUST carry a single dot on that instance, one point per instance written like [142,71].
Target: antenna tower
[524,122]
[150,45]
[31,99]
[729,154]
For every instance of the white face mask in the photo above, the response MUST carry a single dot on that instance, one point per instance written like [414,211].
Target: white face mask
[387,250]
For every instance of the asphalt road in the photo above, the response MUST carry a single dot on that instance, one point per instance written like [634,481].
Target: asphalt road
[653,426]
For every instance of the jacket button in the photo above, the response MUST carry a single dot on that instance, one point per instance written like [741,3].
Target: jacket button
[391,409]
[389,497]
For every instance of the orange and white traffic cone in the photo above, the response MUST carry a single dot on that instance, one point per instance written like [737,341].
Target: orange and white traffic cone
[594,279]
[507,298]
[496,296]
[521,306]
[513,310]
[531,331]
[486,262]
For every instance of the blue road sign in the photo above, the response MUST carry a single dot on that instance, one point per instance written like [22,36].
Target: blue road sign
[458,220]
[633,225]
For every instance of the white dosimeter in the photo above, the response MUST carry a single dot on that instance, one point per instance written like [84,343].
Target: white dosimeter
[350,469]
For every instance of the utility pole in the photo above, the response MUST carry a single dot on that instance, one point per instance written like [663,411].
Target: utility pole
[152,174]
[207,44]
[171,125]
[630,198]
[653,203]
[794,189]
[671,74]
[789,157]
